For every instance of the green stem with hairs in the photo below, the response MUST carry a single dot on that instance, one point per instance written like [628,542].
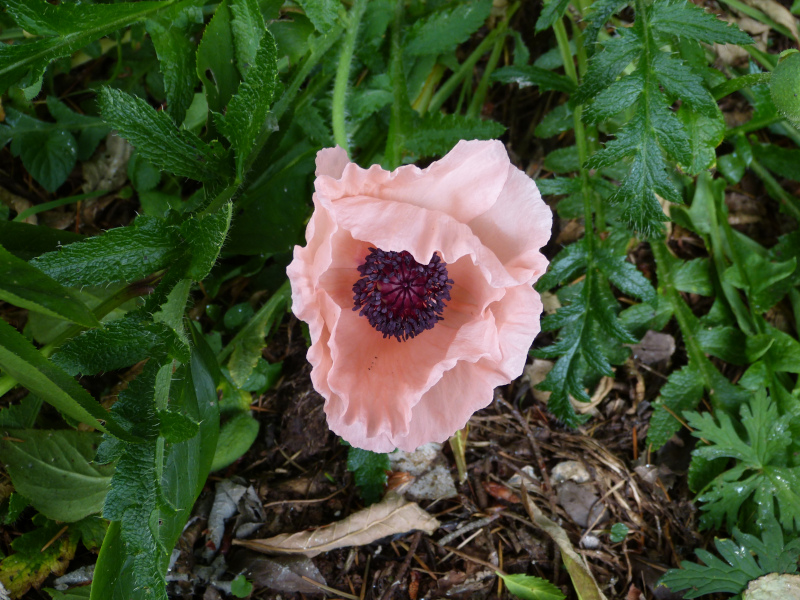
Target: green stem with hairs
[394,140]
[340,85]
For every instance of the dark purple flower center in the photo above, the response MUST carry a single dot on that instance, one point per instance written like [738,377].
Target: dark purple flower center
[399,296]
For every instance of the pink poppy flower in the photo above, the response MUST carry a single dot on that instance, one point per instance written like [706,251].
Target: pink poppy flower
[416,285]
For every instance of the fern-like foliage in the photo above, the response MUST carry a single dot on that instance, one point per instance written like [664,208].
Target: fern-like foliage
[653,133]
[746,558]
[765,477]
[588,322]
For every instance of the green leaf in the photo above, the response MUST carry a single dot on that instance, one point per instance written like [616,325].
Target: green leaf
[740,565]
[121,343]
[445,29]
[205,235]
[557,121]
[67,28]
[783,353]
[171,36]
[216,57]
[619,96]
[619,531]
[705,135]
[20,360]
[528,587]
[25,286]
[553,10]
[693,277]
[760,472]
[680,81]
[322,13]
[176,427]
[369,472]
[683,391]
[626,277]
[247,110]
[566,265]
[245,349]
[236,436]
[528,75]
[248,29]
[240,587]
[727,343]
[27,241]
[149,511]
[784,162]
[121,254]
[54,470]
[35,557]
[435,134]
[48,153]
[22,415]
[765,281]
[158,140]
[684,19]
[606,65]
[563,160]
[143,177]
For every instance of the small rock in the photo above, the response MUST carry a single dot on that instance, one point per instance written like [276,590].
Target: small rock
[432,481]
[580,502]
[774,586]
[570,470]
[654,347]
[590,542]
[517,480]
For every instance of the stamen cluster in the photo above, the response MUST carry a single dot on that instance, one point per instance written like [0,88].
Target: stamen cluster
[399,296]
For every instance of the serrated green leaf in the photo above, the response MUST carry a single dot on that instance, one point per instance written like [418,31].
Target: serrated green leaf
[765,281]
[48,153]
[684,19]
[626,277]
[245,349]
[157,138]
[446,28]
[680,81]
[606,65]
[322,13]
[760,471]
[20,360]
[556,121]
[247,111]
[566,264]
[619,96]
[683,391]
[27,287]
[552,11]
[171,36]
[206,235]
[528,587]
[121,343]
[529,75]
[176,427]
[54,470]
[67,28]
[369,472]
[248,29]
[436,133]
[705,135]
[216,60]
[121,254]
[563,160]
[783,353]
[598,14]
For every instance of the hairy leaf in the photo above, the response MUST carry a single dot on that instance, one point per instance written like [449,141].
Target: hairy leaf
[436,134]
[121,254]
[445,29]
[157,139]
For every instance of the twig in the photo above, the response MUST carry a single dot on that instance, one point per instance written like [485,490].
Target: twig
[387,594]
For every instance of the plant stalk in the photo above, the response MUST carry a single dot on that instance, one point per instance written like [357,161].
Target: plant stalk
[342,81]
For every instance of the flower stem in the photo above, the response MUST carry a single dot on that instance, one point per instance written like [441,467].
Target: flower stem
[343,74]
[478,99]
[450,86]
[394,141]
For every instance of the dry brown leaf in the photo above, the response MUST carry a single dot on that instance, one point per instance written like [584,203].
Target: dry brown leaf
[391,516]
[778,13]
[579,572]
